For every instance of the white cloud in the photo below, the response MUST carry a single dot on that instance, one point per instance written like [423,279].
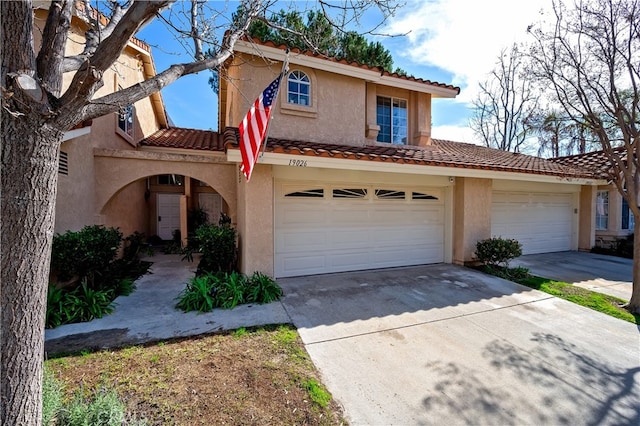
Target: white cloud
[458,133]
[463,37]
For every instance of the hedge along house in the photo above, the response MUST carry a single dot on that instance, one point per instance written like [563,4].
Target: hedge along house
[351,178]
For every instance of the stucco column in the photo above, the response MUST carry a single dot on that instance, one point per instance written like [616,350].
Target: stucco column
[255,221]
[587,218]
[184,202]
[472,216]
[372,129]
[422,119]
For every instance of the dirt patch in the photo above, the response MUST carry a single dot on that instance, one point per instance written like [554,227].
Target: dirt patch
[256,377]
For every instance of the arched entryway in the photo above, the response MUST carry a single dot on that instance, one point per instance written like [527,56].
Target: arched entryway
[160,194]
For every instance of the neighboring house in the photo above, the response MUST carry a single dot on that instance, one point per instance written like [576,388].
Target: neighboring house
[614,219]
[350,179]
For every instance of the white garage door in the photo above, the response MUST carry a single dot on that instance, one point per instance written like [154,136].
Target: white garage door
[542,222]
[321,229]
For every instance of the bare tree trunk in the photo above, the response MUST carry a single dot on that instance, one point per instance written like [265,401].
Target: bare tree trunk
[29,181]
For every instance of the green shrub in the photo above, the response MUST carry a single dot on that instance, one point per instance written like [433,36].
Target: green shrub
[198,295]
[103,408]
[498,251]
[89,275]
[229,290]
[261,289]
[84,253]
[77,305]
[218,247]
[225,290]
[51,398]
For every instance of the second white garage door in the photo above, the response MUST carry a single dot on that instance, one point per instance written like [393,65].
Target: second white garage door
[321,229]
[542,222]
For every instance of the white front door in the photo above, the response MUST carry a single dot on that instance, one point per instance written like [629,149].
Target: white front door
[168,215]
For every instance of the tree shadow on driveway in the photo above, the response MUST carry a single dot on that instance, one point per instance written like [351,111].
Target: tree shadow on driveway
[552,382]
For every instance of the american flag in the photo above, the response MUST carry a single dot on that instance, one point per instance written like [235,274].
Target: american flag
[254,127]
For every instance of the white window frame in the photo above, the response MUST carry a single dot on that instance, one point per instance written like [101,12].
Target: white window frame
[602,210]
[301,79]
[395,103]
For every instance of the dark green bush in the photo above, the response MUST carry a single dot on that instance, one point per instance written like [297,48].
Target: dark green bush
[88,277]
[498,251]
[84,253]
[218,247]
[262,289]
[77,305]
[198,295]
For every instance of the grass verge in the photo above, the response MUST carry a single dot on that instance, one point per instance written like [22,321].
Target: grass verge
[248,376]
[600,302]
[604,303]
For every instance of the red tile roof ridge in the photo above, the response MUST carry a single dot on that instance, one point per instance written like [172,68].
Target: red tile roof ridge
[443,153]
[185,138]
[315,53]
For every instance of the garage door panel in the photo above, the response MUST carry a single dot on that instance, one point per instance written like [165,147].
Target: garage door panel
[349,239]
[358,234]
[302,215]
[541,222]
[301,240]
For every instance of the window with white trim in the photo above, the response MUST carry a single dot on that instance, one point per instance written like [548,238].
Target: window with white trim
[602,210]
[298,88]
[392,117]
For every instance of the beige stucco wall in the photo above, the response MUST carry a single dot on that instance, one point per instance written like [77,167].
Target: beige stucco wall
[338,102]
[127,210]
[587,218]
[255,221]
[75,204]
[472,199]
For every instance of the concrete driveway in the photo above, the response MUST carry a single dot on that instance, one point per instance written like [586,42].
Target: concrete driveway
[443,344]
[605,274]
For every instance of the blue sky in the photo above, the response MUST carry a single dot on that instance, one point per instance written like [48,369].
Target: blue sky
[449,41]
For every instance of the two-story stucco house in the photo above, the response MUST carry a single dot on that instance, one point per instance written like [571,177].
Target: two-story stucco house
[350,178]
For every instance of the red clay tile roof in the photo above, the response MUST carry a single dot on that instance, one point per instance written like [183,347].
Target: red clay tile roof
[176,137]
[596,161]
[441,153]
[354,64]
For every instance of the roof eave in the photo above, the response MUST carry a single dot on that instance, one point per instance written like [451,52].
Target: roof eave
[279,159]
[361,73]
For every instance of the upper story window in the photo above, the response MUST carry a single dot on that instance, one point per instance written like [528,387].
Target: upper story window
[602,210]
[391,116]
[125,120]
[299,88]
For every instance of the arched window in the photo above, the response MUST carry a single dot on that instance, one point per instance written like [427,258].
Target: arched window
[299,88]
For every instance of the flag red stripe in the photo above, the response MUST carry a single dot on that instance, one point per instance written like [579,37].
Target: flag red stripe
[253,128]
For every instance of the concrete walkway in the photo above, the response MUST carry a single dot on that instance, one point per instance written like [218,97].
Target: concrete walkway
[149,314]
[605,274]
[446,345]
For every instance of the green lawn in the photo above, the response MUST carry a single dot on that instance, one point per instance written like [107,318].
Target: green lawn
[604,303]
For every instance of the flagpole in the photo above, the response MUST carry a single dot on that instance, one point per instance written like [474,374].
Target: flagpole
[285,67]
